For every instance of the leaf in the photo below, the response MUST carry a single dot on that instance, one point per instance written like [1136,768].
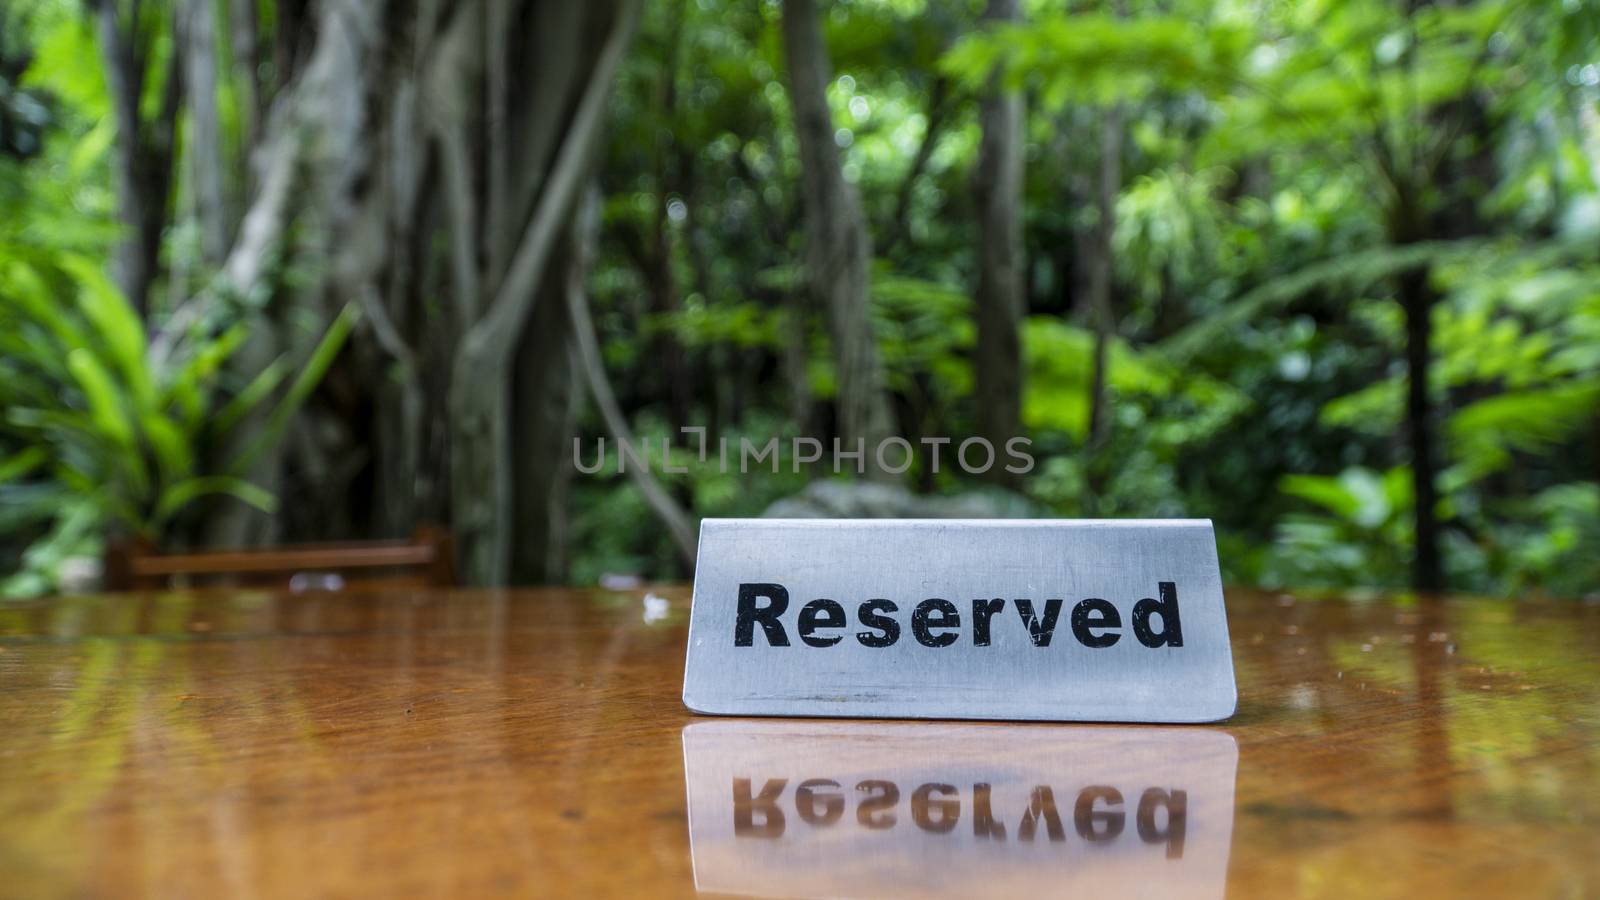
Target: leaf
[317,366]
[184,386]
[22,506]
[74,533]
[22,463]
[1098,58]
[66,421]
[254,393]
[111,417]
[106,406]
[1356,269]
[1485,433]
[180,495]
[1059,374]
[1371,495]
[1375,409]
[89,151]
[58,65]
[1326,492]
[118,327]
[173,452]
[33,297]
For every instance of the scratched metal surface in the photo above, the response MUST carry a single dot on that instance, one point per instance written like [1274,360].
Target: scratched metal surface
[908,561]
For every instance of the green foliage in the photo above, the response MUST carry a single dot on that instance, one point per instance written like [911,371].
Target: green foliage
[1354,529]
[1547,542]
[1102,58]
[57,66]
[1172,234]
[1357,531]
[1353,272]
[112,436]
[925,331]
[1283,164]
[700,324]
[1488,432]
[1059,372]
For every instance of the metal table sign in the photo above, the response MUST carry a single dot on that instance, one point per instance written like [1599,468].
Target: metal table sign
[1048,620]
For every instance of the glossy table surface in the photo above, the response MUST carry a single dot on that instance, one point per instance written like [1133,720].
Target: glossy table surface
[533,743]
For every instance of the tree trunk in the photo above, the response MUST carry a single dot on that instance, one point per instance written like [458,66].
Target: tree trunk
[671,361]
[480,465]
[205,129]
[406,411]
[315,151]
[796,358]
[545,419]
[1417,300]
[998,187]
[399,432]
[482,475]
[318,155]
[245,40]
[143,160]
[838,248]
[1099,277]
[378,118]
[675,368]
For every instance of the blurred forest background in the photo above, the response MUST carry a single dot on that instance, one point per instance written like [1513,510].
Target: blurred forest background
[1326,272]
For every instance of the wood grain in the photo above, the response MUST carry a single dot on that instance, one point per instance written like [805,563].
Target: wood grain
[425,742]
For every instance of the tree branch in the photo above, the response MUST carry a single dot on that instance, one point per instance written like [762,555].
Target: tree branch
[259,235]
[464,217]
[656,497]
[899,229]
[497,331]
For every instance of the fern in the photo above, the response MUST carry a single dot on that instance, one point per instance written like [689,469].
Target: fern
[1484,434]
[1351,273]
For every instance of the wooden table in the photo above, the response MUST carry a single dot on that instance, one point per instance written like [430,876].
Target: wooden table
[532,742]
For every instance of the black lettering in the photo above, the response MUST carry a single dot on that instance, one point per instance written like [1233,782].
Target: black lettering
[1167,607]
[806,800]
[874,812]
[1040,631]
[923,622]
[1095,613]
[766,803]
[984,824]
[1177,806]
[872,615]
[1087,822]
[923,808]
[982,612]
[749,614]
[1041,805]
[821,613]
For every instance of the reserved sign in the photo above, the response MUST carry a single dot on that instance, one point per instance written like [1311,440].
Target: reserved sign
[1115,620]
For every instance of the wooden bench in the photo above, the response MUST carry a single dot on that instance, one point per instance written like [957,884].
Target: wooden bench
[426,560]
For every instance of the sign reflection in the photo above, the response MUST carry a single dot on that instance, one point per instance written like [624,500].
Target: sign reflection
[823,809]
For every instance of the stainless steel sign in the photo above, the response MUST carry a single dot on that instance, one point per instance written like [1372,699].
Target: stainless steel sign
[895,809]
[1112,621]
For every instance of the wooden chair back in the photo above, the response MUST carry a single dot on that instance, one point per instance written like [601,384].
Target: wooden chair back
[426,560]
